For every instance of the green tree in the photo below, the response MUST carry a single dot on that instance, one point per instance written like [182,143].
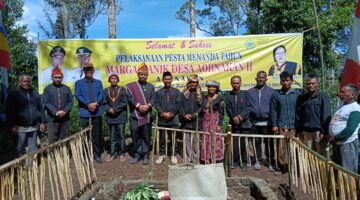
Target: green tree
[217,18]
[23,51]
[335,18]
[72,17]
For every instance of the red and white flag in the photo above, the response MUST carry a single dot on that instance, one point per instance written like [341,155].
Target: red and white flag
[352,63]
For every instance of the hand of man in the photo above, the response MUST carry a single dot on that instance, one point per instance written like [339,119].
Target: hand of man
[188,117]
[236,120]
[14,130]
[143,109]
[286,133]
[146,107]
[111,111]
[275,130]
[61,113]
[165,115]
[240,118]
[332,140]
[92,106]
[42,127]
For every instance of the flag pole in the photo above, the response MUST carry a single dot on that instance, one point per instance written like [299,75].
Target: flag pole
[321,48]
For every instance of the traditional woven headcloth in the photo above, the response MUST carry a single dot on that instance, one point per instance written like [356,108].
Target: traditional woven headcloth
[212,83]
[57,71]
[88,65]
[142,68]
[186,91]
[193,78]
[114,74]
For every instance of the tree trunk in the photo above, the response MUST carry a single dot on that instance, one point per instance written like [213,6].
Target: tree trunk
[192,18]
[112,18]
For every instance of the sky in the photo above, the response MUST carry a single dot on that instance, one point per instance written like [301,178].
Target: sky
[138,19]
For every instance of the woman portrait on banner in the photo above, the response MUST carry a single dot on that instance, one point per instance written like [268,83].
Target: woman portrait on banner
[212,120]
[281,64]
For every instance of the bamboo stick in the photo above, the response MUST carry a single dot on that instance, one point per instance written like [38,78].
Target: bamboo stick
[157,142]
[332,179]
[213,156]
[173,133]
[184,146]
[166,144]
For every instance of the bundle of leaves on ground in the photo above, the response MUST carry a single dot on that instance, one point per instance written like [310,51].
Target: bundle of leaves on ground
[143,191]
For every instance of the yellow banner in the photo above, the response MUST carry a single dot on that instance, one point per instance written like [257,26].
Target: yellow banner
[216,58]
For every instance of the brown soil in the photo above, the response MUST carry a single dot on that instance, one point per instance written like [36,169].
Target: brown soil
[108,171]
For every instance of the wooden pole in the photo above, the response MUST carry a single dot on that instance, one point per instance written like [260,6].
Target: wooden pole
[227,153]
[321,47]
[153,150]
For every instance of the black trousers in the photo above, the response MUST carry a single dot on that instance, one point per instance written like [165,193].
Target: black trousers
[163,141]
[58,130]
[96,132]
[117,130]
[269,143]
[141,136]
[243,150]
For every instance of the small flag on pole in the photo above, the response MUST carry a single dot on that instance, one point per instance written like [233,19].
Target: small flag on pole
[352,64]
[4,46]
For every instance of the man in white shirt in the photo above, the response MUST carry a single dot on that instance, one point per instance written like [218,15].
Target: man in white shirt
[344,128]
[57,56]
[83,55]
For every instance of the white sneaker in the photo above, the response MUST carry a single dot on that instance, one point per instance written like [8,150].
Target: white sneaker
[160,160]
[173,160]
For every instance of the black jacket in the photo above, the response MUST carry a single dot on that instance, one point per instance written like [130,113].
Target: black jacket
[237,103]
[24,108]
[51,101]
[313,112]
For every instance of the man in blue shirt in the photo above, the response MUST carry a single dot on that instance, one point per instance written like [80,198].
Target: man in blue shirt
[89,93]
[259,97]
[283,115]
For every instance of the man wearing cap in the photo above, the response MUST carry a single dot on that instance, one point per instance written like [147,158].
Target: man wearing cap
[167,104]
[58,103]
[24,112]
[89,93]
[190,110]
[141,97]
[57,55]
[115,104]
[83,55]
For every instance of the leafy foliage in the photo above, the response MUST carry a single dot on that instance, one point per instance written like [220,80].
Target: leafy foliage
[143,191]
[217,18]
[335,18]
[22,51]
[72,17]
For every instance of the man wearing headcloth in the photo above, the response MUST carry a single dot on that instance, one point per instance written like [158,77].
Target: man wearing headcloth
[190,110]
[115,105]
[89,93]
[57,55]
[168,105]
[58,103]
[83,54]
[141,98]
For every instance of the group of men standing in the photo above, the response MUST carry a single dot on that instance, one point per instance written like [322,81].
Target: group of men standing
[261,110]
